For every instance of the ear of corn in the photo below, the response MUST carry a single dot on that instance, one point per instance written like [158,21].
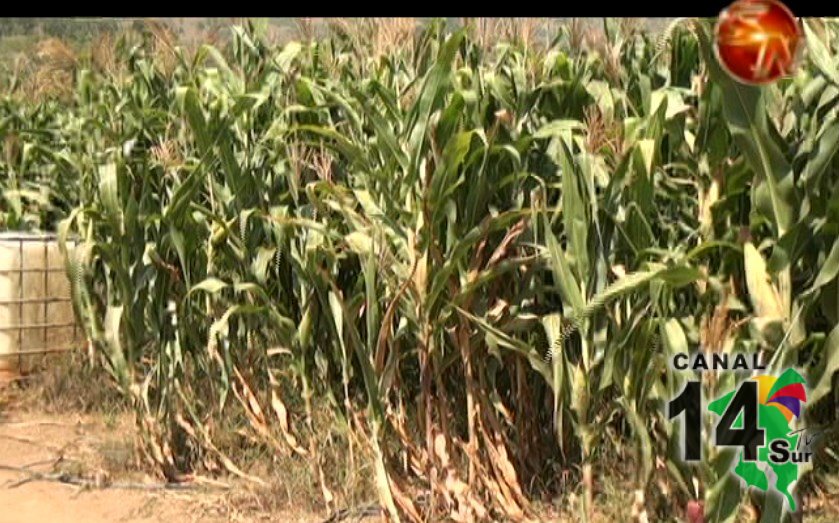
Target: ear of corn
[762,292]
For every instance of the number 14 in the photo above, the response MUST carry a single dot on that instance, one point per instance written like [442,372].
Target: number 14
[749,435]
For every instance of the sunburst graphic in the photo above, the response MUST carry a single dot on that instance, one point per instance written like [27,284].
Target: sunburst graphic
[758,41]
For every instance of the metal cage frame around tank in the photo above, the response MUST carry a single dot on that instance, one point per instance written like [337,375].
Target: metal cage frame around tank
[46,325]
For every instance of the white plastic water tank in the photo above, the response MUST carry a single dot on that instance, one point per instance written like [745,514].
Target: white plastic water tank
[36,314]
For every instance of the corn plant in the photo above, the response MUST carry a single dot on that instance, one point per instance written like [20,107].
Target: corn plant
[480,258]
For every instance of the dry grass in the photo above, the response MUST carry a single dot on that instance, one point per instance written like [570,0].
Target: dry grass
[50,73]
[167,153]
[610,54]
[382,36]
[719,329]
[528,32]
[102,56]
[89,425]
[212,35]
[324,481]
[577,31]
[67,383]
[12,147]
[391,35]
[603,132]
[57,54]
[823,506]
[165,43]
[102,452]
[305,29]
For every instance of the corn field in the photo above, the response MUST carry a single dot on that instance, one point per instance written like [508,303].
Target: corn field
[477,256]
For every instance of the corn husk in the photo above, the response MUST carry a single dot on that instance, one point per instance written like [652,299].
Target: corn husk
[762,292]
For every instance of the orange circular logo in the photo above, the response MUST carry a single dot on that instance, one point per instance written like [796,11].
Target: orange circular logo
[758,41]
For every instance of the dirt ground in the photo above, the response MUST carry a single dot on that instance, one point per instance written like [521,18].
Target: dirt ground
[39,453]
[72,467]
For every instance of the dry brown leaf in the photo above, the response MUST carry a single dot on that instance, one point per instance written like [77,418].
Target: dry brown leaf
[281,412]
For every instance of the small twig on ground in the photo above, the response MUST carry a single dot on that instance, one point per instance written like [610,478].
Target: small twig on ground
[53,462]
[203,480]
[359,513]
[68,479]
[35,423]
[41,476]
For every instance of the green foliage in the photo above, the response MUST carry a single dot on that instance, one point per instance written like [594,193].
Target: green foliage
[481,257]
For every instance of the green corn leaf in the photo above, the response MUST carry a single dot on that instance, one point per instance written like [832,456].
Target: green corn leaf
[824,385]
[820,54]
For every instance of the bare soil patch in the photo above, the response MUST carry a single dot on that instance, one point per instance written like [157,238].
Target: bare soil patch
[76,467]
